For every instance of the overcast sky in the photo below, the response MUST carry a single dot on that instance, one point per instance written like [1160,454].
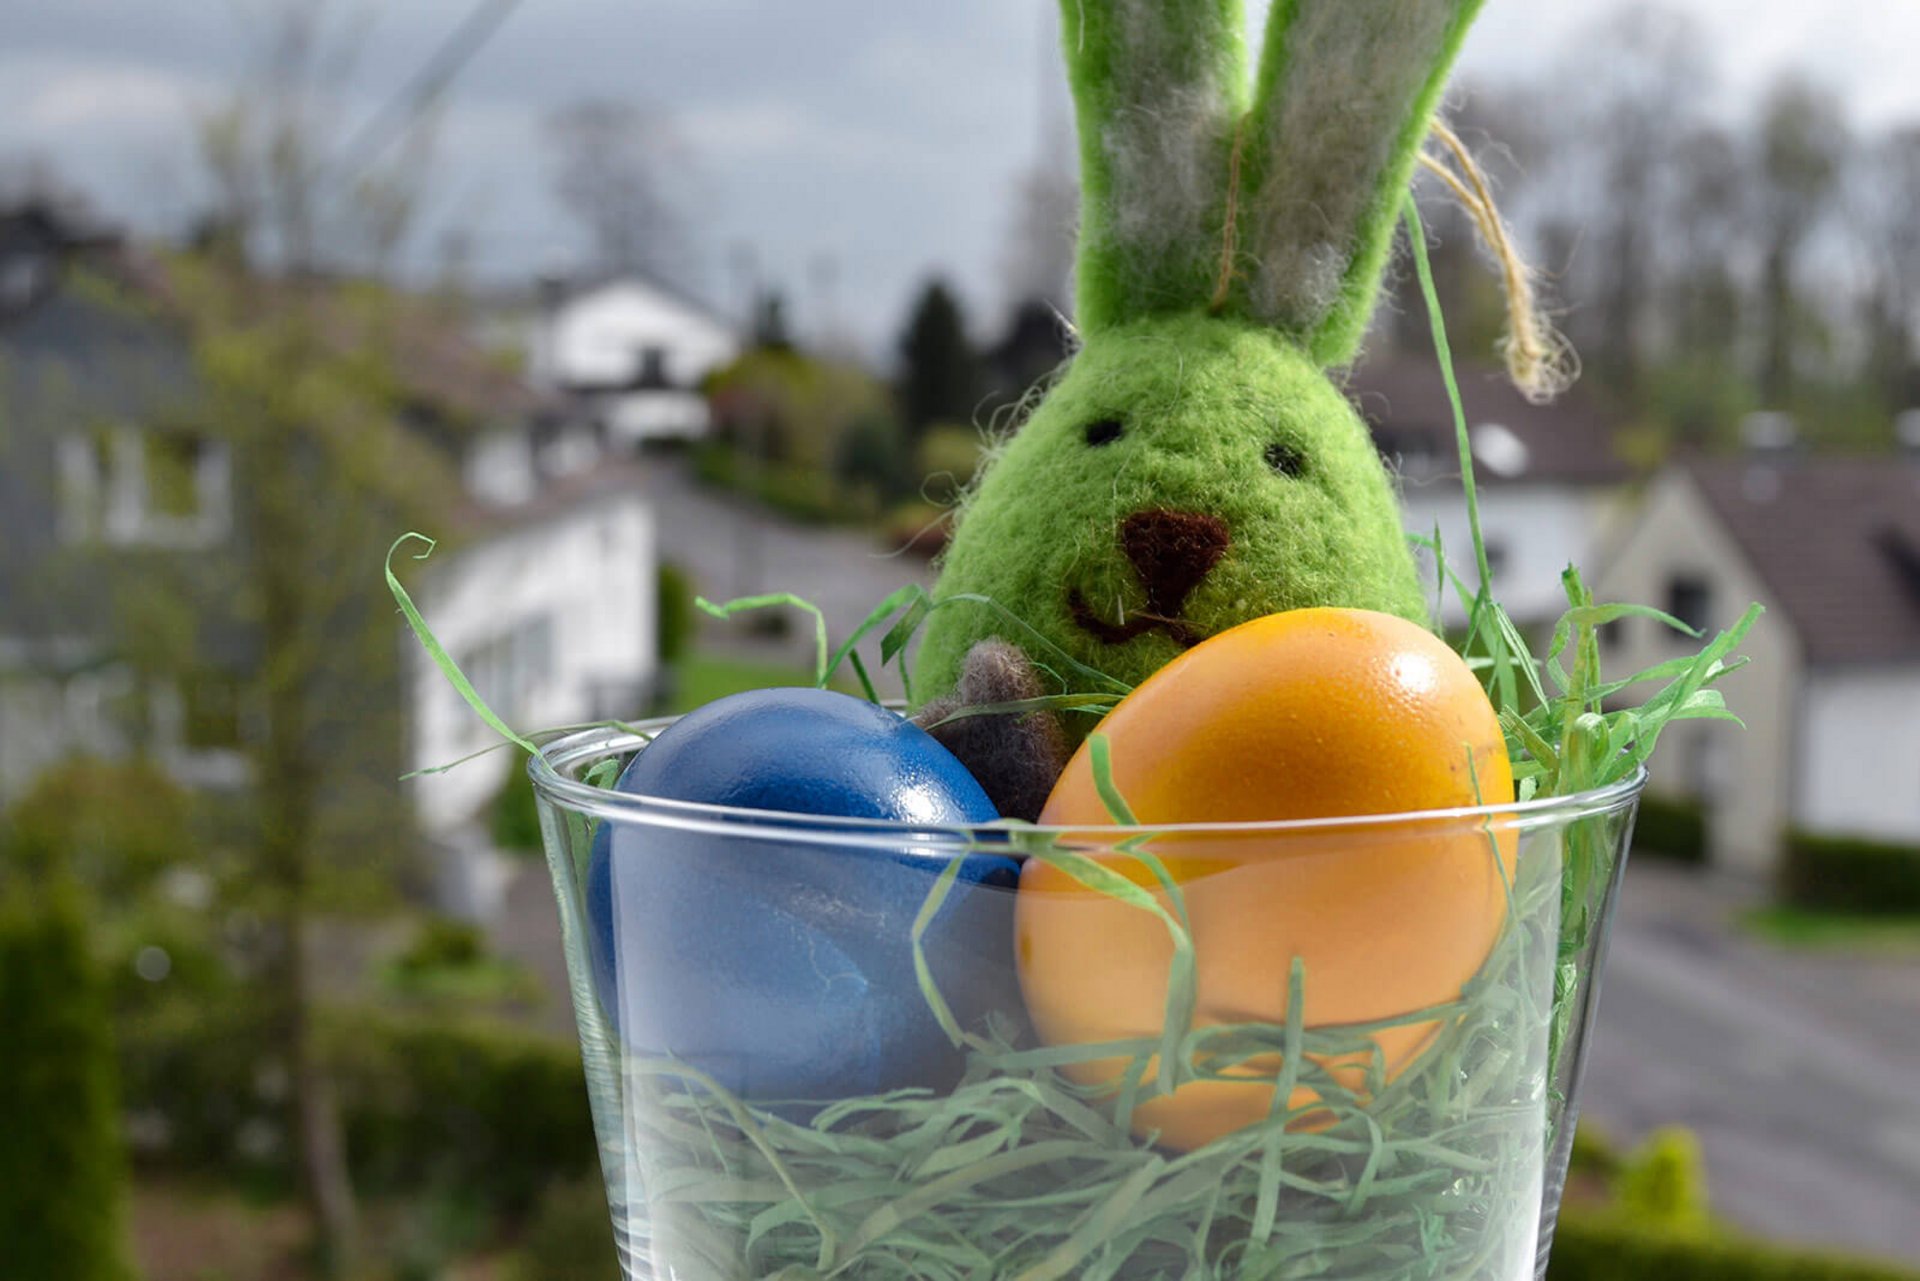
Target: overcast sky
[881,137]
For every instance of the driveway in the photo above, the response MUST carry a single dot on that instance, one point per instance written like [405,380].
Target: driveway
[1799,1071]
[734,548]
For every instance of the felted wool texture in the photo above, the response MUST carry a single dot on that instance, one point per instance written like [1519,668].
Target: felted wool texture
[1016,758]
[1202,403]
[1157,88]
[1342,103]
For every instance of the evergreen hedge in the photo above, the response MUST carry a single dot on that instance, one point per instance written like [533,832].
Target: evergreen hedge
[1850,874]
[498,1112]
[1614,1248]
[62,1169]
[1672,828]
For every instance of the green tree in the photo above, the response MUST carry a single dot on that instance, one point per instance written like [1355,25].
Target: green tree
[939,371]
[299,383]
[778,405]
[873,456]
[62,1169]
[297,388]
[770,328]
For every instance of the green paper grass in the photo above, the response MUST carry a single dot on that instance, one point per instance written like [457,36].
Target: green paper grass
[1020,1172]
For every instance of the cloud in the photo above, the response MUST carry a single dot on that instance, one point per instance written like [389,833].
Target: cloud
[53,96]
[743,128]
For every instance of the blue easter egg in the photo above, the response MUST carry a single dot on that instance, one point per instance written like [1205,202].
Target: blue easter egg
[780,967]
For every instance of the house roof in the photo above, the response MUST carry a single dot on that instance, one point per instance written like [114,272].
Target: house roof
[586,284]
[1836,541]
[560,496]
[1402,397]
[437,363]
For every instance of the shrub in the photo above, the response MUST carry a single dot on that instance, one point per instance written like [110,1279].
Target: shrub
[62,1171]
[1611,1248]
[873,455]
[948,456]
[673,618]
[442,942]
[513,820]
[570,1237]
[429,1103]
[1664,1185]
[1671,827]
[1850,874]
[1593,1153]
[459,1102]
[114,826]
[714,464]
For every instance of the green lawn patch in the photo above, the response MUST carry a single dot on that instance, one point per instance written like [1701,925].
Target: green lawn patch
[1806,927]
[701,678]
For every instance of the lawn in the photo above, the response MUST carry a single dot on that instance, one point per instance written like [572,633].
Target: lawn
[701,678]
[1801,927]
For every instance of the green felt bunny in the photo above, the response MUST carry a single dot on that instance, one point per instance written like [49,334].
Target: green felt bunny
[1195,466]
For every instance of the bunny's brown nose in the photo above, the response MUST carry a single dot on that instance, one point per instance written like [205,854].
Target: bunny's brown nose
[1172,552]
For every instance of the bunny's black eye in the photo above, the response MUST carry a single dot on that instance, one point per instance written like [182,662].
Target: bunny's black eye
[1104,432]
[1285,460]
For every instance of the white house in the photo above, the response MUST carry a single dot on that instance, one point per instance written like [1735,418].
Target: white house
[634,351]
[1548,477]
[1831,698]
[549,609]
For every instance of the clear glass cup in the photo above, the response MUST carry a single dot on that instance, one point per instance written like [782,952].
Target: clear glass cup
[824,1047]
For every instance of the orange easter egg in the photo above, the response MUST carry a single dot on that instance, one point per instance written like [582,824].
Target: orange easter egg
[1309,714]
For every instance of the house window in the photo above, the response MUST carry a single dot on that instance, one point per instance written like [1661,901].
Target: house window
[653,366]
[508,669]
[1690,599]
[158,487]
[172,465]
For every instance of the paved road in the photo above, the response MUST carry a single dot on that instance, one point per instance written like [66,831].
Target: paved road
[736,549]
[1799,1071]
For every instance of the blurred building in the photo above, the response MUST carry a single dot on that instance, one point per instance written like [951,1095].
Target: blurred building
[546,595]
[1549,477]
[632,354]
[1831,697]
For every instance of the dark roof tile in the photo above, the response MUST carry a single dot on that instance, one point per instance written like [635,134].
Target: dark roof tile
[1836,540]
[1402,397]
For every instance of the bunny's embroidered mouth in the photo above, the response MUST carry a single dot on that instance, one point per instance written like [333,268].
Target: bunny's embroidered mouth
[1172,552]
[1178,630]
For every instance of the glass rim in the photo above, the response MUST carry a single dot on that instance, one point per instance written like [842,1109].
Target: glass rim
[606,741]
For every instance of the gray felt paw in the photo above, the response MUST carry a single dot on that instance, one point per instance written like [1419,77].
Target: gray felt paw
[1016,757]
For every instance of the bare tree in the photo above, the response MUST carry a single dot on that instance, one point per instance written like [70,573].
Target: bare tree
[1621,156]
[290,188]
[1802,146]
[1886,194]
[1039,253]
[617,170]
[1708,226]
[1501,127]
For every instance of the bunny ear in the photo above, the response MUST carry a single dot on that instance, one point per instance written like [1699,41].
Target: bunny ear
[1157,85]
[1344,98]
